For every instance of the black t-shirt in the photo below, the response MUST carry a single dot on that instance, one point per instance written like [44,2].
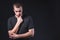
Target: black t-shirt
[24,26]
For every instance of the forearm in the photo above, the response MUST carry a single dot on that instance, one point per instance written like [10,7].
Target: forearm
[25,35]
[30,33]
[15,29]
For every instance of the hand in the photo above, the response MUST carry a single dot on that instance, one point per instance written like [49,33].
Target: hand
[10,33]
[19,19]
[14,36]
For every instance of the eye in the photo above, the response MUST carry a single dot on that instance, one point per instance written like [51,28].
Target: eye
[18,11]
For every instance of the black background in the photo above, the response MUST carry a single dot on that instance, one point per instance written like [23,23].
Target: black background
[45,15]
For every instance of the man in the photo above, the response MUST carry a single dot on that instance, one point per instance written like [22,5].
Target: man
[20,27]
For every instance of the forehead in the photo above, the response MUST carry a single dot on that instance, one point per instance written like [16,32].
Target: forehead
[15,8]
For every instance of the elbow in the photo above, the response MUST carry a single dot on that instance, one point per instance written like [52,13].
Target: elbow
[32,33]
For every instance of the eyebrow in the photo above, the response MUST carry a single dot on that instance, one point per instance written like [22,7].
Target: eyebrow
[18,11]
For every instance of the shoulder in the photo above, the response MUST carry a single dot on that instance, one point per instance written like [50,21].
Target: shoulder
[27,16]
[10,18]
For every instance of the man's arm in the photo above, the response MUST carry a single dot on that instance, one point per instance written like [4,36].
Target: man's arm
[16,27]
[30,31]
[28,34]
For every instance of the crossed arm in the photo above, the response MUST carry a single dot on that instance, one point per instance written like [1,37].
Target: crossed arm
[30,33]
[12,33]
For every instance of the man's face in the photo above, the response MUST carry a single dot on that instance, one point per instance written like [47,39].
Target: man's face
[18,11]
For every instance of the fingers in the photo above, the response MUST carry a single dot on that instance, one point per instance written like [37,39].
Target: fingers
[13,36]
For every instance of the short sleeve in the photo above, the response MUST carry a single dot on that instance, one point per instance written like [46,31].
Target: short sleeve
[9,24]
[30,24]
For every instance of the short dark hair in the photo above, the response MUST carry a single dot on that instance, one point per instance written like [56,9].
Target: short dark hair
[17,4]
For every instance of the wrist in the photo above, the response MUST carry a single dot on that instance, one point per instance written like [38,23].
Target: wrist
[18,36]
[18,23]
